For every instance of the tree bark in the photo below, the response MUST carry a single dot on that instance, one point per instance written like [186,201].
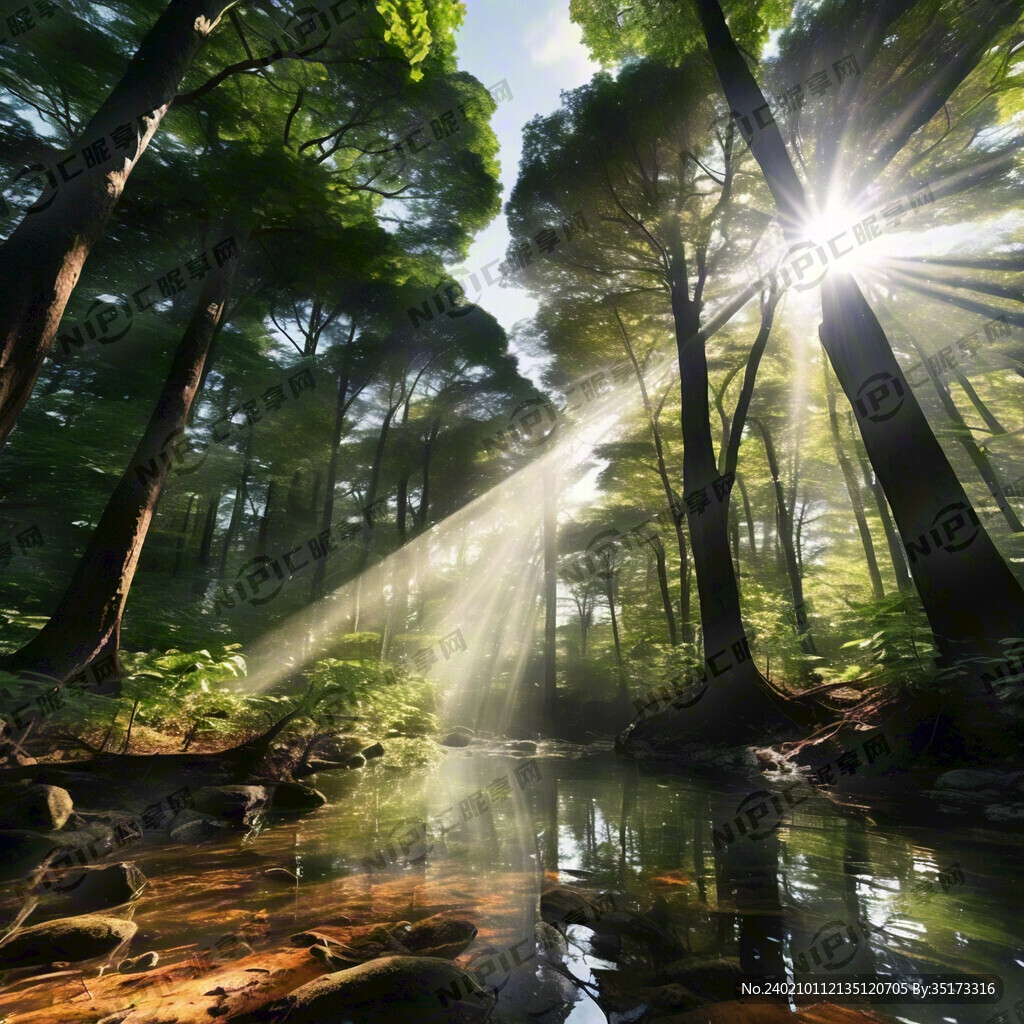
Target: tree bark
[785,528]
[853,490]
[969,594]
[666,599]
[42,260]
[666,483]
[87,622]
[550,539]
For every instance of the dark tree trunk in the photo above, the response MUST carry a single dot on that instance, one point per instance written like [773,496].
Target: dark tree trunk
[666,483]
[237,509]
[666,599]
[550,537]
[42,260]
[263,532]
[853,490]
[969,594]
[206,547]
[966,439]
[179,547]
[87,622]
[897,556]
[785,527]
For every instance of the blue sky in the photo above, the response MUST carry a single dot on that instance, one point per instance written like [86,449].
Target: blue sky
[533,45]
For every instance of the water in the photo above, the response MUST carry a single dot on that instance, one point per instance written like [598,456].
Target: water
[595,823]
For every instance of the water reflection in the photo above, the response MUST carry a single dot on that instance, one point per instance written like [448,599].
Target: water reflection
[831,893]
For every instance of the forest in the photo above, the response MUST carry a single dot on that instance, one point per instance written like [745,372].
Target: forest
[550,548]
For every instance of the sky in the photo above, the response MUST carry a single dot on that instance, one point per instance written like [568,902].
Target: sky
[537,50]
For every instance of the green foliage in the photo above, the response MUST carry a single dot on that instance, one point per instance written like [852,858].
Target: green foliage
[381,695]
[898,649]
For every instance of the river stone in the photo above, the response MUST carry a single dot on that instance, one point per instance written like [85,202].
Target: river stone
[439,936]
[21,851]
[96,889]
[421,989]
[42,808]
[190,826]
[340,748]
[295,798]
[970,778]
[711,977]
[457,738]
[355,761]
[373,750]
[232,803]
[69,939]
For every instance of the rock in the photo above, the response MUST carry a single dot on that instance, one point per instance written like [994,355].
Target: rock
[550,939]
[190,826]
[711,977]
[438,936]
[560,906]
[316,765]
[232,803]
[340,748]
[42,808]
[457,739]
[970,778]
[71,939]
[90,889]
[142,962]
[373,750]
[295,798]
[355,761]
[21,851]
[1005,813]
[391,988]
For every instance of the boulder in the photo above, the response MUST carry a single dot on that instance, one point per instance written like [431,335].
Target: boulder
[385,990]
[231,803]
[69,939]
[87,890]
[295,798]
[710,977]
[373,750]
[970,779]
[340,748]
[190,826]
[355,761]
[42,808]
[457,738]
[21,851]
[439,936]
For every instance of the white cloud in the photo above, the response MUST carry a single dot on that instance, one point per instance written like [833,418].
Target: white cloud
[555,41]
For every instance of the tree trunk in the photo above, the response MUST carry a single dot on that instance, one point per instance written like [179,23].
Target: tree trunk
[179,546]
[897,556]
[969,594]
[263,533]
[42,260]
[87,622]
[236,510]
[853,490]
[785,527]
[204,555]
[620,668]
[666,599]
[550,532]
[666,483]
[963,434]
